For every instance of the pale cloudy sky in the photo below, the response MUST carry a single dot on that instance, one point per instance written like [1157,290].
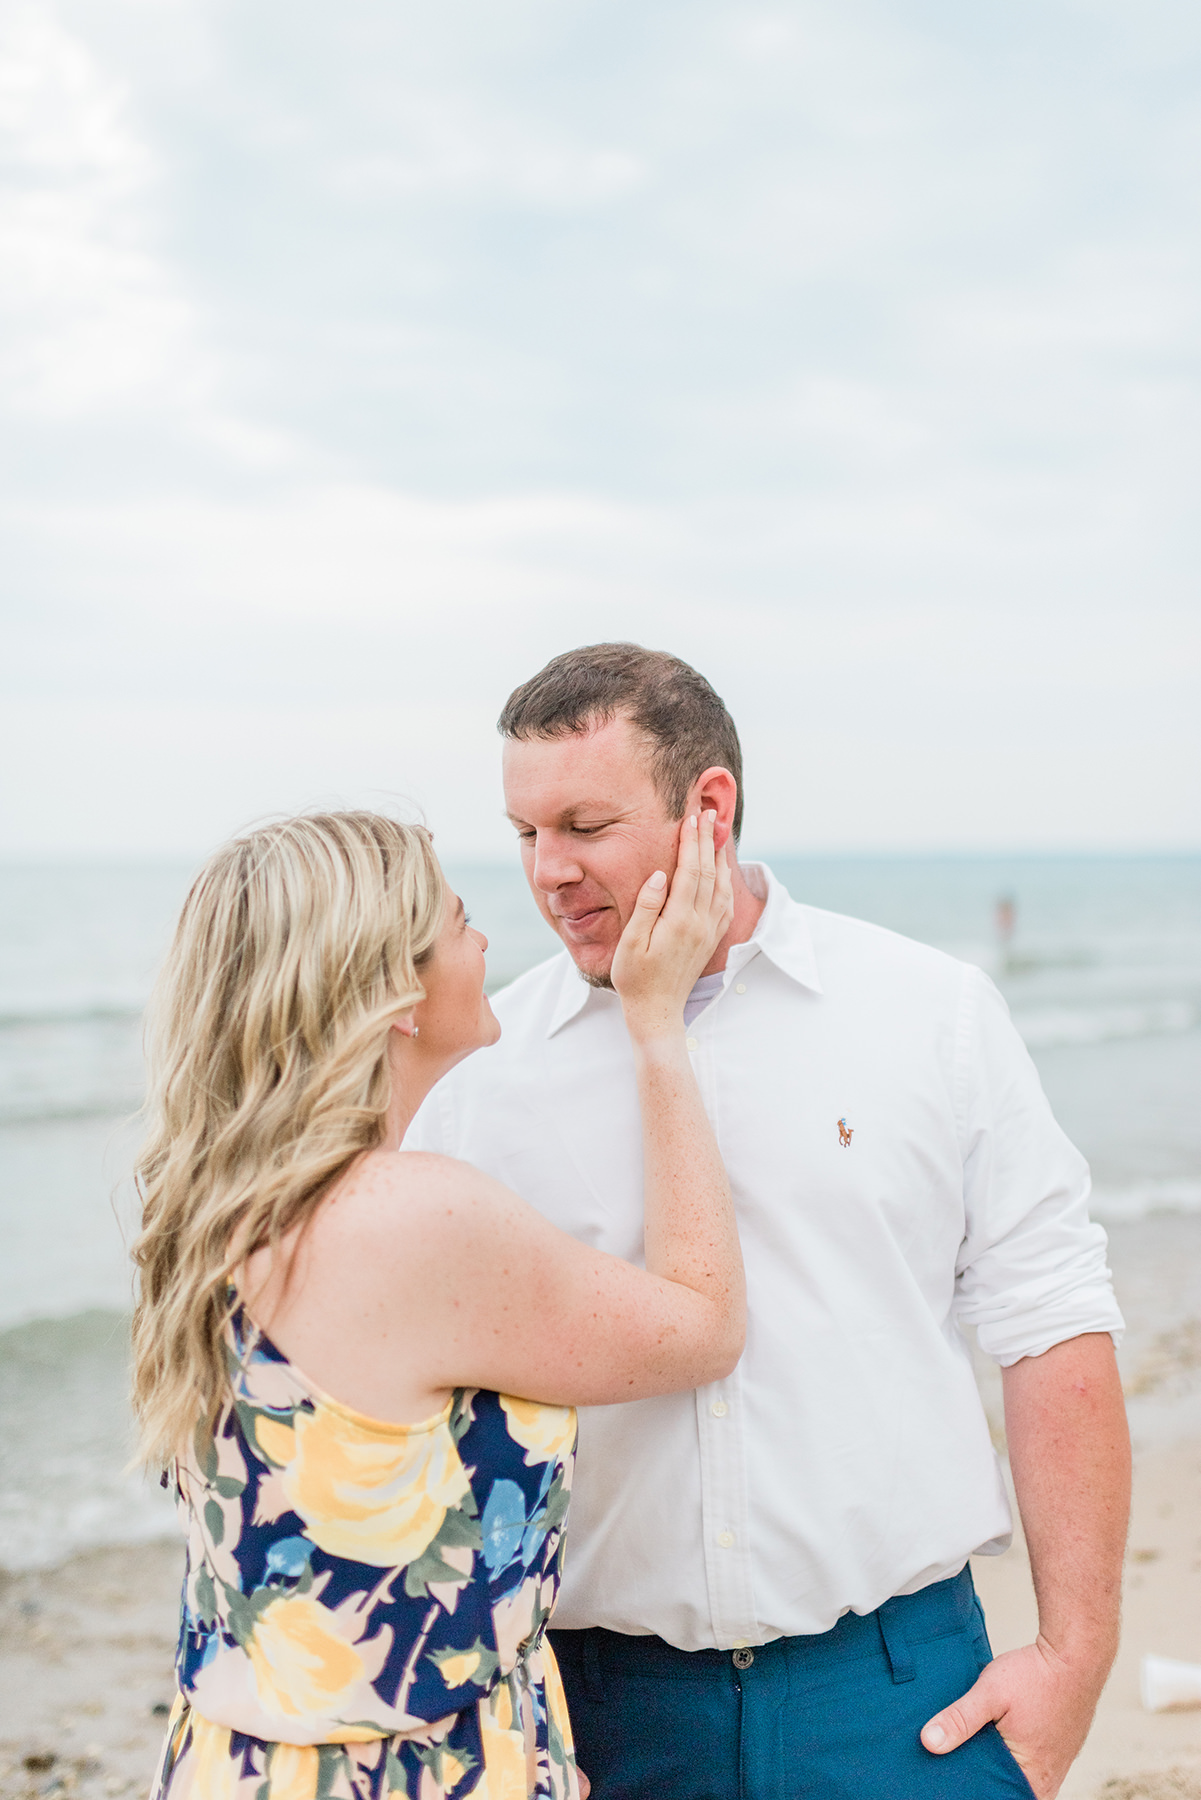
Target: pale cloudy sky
[356,358]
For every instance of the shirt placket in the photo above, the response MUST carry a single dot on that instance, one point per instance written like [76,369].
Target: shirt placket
[725,1513]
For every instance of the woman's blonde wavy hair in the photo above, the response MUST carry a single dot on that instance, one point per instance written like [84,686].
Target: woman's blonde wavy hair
[298,946]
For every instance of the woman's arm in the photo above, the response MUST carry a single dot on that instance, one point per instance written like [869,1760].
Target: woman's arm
[425,1274]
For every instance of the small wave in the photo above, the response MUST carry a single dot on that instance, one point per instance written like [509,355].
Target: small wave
[1034,962]
[19,1018]
[1052,1026]
[68,1434]
[115,1108]
[1118,1206]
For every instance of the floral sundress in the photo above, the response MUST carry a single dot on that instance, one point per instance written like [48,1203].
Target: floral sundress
[365,1605]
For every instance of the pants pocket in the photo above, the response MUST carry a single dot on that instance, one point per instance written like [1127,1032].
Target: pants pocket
[1006,1764]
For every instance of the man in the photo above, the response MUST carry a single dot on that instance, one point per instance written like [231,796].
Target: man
[767,1592]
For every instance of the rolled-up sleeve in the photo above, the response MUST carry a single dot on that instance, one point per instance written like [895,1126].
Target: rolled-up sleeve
[1032,1268]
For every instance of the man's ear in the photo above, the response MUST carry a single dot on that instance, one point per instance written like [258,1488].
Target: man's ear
[716,791]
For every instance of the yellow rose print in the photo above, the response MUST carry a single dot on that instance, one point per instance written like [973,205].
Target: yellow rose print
[293,1772]
[453,1770]
[369,1498]
[505,1767]
[276,1440]
[216,1775]
[300,1665]
[458,1669]
[542,1431]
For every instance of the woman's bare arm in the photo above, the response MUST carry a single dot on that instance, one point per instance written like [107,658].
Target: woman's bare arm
[423,1274]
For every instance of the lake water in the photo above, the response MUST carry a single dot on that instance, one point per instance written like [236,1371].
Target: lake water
[1102,972]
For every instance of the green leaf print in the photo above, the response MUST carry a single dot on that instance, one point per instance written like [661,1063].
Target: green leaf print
[557,1502]
[228,1486]
[462,1412]
[481,1675]
[434,1756]
[460,1530]
[206,1598]
[461,1526]
[214,1521]
[332,1760]
[398,1787]
[431,1568]
[242,1610]
[206,1453]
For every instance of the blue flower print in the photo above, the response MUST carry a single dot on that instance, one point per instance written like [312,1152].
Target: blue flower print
[290,1556]
[503,1525]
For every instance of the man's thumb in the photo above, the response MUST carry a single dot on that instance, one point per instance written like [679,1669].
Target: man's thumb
[955,1724]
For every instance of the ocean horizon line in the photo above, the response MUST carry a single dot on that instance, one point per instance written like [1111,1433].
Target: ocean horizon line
[40,861]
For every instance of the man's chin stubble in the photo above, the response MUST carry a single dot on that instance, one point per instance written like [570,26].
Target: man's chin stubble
[603,980]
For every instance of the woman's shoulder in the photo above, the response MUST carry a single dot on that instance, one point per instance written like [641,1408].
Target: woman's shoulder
[411,1191]
[426,1175]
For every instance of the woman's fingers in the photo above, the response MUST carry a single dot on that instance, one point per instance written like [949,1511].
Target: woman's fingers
[707,851]
[684,881]
[647,908]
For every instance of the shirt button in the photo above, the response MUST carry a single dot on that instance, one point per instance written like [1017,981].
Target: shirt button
[719,1409]
[743,1659]
[691,1044]
[740,987]
[725,1539]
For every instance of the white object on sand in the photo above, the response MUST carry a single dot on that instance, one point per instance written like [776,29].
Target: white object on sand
[1166,1683]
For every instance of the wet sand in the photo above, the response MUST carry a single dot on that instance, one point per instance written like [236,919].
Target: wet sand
[86,1676]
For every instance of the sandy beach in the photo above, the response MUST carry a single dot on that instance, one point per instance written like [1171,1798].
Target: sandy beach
[86,1676]
[86,1651]
[1130,1754]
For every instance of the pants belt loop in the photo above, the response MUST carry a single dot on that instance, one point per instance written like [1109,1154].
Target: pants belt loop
[900,1657]
[594,1685]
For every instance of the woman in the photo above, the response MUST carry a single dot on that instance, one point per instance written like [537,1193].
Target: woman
[374,1544]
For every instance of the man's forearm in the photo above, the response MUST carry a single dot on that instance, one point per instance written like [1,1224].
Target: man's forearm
[1070,1454]
[1069,1450]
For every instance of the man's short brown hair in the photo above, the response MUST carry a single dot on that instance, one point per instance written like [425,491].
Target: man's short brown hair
[684,721]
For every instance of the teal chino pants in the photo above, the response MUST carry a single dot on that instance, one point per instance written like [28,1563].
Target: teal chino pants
[835,1716]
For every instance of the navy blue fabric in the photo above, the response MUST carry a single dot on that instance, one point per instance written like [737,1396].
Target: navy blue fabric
[830,1717]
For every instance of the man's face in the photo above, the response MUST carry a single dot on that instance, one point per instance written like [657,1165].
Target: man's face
[593,828]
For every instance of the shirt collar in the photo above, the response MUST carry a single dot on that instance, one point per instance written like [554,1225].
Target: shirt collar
[574,995]
[782,935]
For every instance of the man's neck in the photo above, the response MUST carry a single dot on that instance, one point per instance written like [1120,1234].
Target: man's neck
[748,910]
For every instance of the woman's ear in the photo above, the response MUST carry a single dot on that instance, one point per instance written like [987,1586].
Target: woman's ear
[716,791]
[404,1025]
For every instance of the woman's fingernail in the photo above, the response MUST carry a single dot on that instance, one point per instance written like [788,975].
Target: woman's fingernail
[934,1737]
[693,820]
[658,879]
[711,815]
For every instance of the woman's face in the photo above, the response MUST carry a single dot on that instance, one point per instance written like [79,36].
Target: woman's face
[455,1018]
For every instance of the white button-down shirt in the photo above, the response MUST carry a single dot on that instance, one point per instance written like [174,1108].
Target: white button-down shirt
[897,1174]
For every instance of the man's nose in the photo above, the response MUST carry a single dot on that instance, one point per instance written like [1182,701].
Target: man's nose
[555,864]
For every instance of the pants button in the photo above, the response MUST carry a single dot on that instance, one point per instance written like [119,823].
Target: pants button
[743,1659]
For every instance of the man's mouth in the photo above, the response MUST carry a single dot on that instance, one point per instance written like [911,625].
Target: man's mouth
[579,923]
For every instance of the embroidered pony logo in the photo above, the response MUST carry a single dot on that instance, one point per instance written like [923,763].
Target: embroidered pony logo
[845,1134]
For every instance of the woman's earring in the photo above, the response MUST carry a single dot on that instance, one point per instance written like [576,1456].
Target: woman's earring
[416,1031]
